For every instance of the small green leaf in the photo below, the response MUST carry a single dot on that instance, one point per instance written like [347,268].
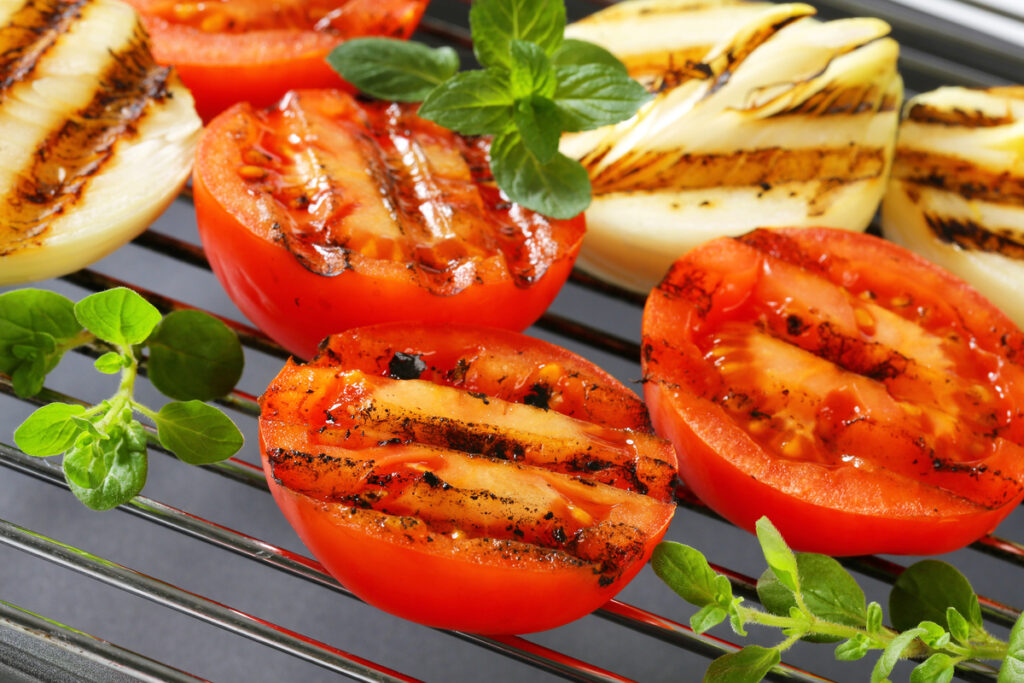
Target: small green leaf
[530,72]
[34,323]
[49,430]
[1012,670]
[708,617]
[592,96]
[392,69]
[687,572]
[496,23]
[125,468]
[119,316]
[537,122]
[736,620]
[749,665]
[934,635]
[853,649]
[85,464]
[193,355]
[958,626]
[926,590]
[471,103]
[559,188]
[197,433]
[892,654]
[829,592]
[873,622]
[780,558]
[936,669]
[575,53]
[109,363]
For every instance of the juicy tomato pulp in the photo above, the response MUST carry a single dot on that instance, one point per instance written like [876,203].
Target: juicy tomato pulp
[466,478]
[862,398]
[255,50]
[323,214]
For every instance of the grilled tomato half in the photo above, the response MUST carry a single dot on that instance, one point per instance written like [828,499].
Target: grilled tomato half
[256,50]
[323,213]
[862,398]
[466,478]
[96,138]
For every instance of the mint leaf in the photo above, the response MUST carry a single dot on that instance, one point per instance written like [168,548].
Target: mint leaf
[892,654]
[123,465]
[594,95]
[1012,669]
[391,69]
[85,464]
[119,316]
[537,122]
[193,355]
[687,572]
[926,591]
[829,592]
[780,558]
[559,188]
[749,665]
[197,433]
[707,617]
[873,621]
[959,629]
[49,430]
[34,326]
[936,669]
[471,103]
[109,363]
[573,52]
[853,649]
[496,23]
[530,72]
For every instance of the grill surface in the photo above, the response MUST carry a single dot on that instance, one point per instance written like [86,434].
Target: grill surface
[198,534]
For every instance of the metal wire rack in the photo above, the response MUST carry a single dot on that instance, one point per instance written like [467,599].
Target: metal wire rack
[283,601]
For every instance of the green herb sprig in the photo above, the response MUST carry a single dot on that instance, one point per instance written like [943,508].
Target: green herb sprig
[192,357]
[535,85]
[936,616]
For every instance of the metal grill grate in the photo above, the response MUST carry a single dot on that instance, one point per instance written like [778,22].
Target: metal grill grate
[283,599]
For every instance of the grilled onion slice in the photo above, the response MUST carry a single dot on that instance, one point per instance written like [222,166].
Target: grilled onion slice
[957,189]
[95,138]
[762,117]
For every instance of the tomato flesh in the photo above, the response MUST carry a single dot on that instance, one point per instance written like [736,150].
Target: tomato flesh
[255,51]
[324,213]
[863,399]
[388,458]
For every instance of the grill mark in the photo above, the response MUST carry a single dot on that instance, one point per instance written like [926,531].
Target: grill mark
[676,170]
[722,67]
[941,116]
[970,235]
[64,163]
[960,176]
[843,102]
[30,33]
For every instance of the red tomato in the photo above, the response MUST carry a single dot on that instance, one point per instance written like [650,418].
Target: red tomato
[323,214]
[863,399]
[466,478]
[255,50]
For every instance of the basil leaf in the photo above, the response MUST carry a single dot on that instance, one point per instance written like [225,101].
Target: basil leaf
[391,69]
[109,363]
[471,103]
[197,433]
[749,665]
[707,617]
[193,355]
[49,430]
[1012,669]
[536,120]
[531,72]
[925,592]
[33,325]
[829,592]
[780,558]
[496,23]
[892,654]
[936,669]
[124,466]
[119,316]
[559,188]
[687,572]
[593,95]
[575,53]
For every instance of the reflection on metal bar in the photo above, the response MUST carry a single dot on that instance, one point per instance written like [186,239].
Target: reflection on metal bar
[197,606]
[78,646]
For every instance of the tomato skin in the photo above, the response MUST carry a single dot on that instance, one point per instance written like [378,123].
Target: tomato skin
[298,308]
[259,66]
[416,570]
[821,505]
